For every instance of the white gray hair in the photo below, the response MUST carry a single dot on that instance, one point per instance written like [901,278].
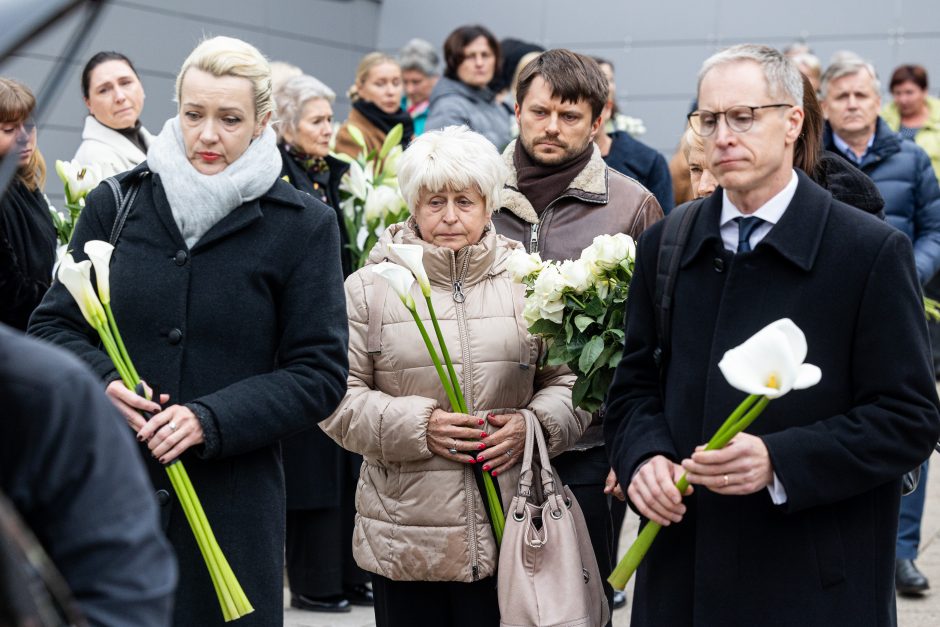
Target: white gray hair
[847,66]
[454,158]
[291,97]
[783,78]
[419,55]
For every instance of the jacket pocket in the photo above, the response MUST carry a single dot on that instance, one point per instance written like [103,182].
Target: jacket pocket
[828,544]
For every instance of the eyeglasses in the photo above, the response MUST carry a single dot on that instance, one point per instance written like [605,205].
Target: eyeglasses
[740,118]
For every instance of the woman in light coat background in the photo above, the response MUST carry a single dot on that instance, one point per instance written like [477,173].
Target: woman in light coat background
[113,136]
[422,527]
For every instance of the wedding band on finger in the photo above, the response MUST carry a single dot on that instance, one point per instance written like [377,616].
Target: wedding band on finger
[509,453]
[726,481]
[171,425]
[453,449]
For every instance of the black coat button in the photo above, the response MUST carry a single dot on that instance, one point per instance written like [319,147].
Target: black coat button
[175,336]
[181,258]
[719,264]
[163,498]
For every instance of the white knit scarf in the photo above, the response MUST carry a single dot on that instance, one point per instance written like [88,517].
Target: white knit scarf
[199,201]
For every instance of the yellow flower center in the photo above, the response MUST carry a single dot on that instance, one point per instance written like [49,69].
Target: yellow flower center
[772,382]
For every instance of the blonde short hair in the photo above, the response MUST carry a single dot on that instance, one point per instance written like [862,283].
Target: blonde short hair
[454,158]
[365,66]
[227,56]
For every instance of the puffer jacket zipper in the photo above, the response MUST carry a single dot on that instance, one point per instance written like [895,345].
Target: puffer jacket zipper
[469,484]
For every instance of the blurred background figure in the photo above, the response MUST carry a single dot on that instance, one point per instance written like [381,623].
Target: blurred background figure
[806,62]
[27,234]
[320,514]
[419,62]
[702,181]
[462,96]
[628,155]
[281,72]
[113,136]
[913,113]
[515,53]
[376,105]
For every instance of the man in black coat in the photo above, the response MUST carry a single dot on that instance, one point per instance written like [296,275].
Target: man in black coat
[68,464]
[794,522]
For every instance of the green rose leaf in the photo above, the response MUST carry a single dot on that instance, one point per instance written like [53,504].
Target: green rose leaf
[583,322]
[592,350]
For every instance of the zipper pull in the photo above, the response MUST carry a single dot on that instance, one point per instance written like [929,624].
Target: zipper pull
[476,572]
[458,291]
[534,238]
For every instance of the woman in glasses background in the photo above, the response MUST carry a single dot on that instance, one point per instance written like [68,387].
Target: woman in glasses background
[27,235]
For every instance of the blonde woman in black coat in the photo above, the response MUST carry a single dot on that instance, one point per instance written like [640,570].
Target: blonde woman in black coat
[227,287]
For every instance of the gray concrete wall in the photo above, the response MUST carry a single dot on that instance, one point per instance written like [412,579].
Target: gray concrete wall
[324,37]
[657,46]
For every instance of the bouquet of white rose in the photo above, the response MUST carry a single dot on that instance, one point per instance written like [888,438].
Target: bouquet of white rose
[370,197]
[577,306]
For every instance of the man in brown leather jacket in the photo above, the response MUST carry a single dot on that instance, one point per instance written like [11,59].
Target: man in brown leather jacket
[559,196]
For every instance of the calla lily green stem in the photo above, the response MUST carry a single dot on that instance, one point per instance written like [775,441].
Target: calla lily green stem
[450,366]
[741,418]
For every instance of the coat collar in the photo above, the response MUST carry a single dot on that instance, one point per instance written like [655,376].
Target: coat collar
[96,131]
[796,237]
[590,185]
[885,144]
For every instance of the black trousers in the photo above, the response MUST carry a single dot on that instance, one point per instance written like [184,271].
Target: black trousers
[319,550]
[435,603]
[585,472]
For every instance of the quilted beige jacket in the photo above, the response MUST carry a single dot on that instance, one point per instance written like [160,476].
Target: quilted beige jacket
[420,517]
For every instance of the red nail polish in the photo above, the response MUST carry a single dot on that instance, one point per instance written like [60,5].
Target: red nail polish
[472,461]
[484,434]
[481,458]
[482,446]
[486,467]
[495,473]
[481,422]
[162,460]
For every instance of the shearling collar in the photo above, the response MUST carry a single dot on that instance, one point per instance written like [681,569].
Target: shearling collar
[590,185]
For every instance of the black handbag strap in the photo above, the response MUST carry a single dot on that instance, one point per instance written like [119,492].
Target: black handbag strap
[676,228]
[123,202]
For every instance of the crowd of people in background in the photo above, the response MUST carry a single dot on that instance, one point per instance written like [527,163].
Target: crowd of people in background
[229,271]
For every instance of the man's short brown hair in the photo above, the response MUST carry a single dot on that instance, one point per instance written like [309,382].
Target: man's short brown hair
[573,77]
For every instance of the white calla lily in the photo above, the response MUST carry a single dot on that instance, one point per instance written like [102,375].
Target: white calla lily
[399,278]
[411,255]
[770,362]
[76,277]
[99,252]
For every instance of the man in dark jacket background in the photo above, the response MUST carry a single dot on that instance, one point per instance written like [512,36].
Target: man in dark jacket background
[793,522]
[69,465]
[903,173]
[558,197]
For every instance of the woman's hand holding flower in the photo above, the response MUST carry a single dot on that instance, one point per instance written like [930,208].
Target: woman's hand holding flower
[172,431]
[741,467]
[506,446]
[462,432]
[130,404]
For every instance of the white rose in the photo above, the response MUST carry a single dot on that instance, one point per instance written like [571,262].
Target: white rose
[577,274]
[530,313]
[522,264]
[548,285]
[608,251]
[552,310]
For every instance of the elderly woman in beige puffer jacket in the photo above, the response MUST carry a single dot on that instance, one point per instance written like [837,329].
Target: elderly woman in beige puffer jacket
[422,526]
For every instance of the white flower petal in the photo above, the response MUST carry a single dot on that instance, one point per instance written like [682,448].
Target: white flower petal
[412,256]
[76,277]
[399,278]
[808,376]
[99,252]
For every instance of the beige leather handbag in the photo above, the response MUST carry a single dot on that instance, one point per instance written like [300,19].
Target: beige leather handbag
[548,575]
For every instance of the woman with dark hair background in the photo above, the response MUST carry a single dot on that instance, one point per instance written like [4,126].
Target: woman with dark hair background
[462,95]
[27,235]
[113,136]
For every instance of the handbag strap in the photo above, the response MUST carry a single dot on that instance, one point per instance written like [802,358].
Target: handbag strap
[123,202]
[534,440]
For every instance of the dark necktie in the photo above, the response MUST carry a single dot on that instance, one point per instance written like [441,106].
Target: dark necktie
[746,227]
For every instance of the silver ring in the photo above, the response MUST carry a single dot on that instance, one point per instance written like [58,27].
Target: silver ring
[509,453]
[726,481]
[453,450]
[171,425]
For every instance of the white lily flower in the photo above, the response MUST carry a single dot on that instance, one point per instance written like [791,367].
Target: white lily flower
[380,202]
[770,362]
[577,274]
[355,181]
[79,179]
[99,252]
[399,278]
[521,264]
[76,277]
[412,255]
[390,167]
